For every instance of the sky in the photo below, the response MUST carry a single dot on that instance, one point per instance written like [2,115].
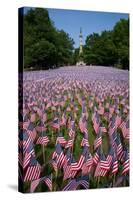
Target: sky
[71,21]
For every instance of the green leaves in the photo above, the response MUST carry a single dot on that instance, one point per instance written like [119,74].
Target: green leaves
[109,47]
[44,46]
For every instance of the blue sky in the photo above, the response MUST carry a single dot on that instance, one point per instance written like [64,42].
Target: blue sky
[71,21]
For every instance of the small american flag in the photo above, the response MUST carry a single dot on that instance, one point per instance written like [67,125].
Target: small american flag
[115,165]
[119,147]
[112,125]
[77,166]
[96,156]
[71,185]
[98,140]
[72,129]
[48,181]
[42,139]
[83,125]
[74,183]
[60,139]
[59,155]
[125,129]
[70,143]
[25,122]
[102,167]
[125,165]
[31,131]
[28,154]
[96,122]
[55,123]
[83,181]
[88,163]
[53,162]
[41,127]
[85,141]
[63,119]
[33,171]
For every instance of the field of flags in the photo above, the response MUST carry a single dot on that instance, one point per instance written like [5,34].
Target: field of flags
[73,129]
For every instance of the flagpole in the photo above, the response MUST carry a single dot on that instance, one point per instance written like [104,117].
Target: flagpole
[56,174]
[43,150]
[98,180]
[114,179]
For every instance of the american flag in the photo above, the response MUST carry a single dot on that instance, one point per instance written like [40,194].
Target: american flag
[67,170]
[33,171]
[102,167]
[101,110]
[67,165]
[28,154]
[118,120]
[70,142]
[34,185]
[88,163]
[110,155]
[125,165]
[63,119]
[85,141]
[84,112]
[60,139]
[96,156]
[125,129]
[112,139]
[112,125]
[74,183]
[98,140]
[41,127]
[119,147]
[48,181]
[96,122]
[24,140]
[25,122]
[71,185]
[77,166]
[115,165]
[73,162]
[103,129]
[83,181]
[59,155]
[31,131]
[42,139]
[106,116]
[72,129]
[44,116]
[83,125]
[53,162]
[111,109]
[55,123]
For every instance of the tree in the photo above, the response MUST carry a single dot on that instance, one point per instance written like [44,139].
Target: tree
[121,41]
[44,45]
[110,48]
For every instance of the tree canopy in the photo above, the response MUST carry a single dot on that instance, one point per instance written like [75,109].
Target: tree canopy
[110,48]
[45,46]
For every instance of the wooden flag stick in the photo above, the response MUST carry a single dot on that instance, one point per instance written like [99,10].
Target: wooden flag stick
[56,174]
[98,180]
[114,179]
[43,151]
